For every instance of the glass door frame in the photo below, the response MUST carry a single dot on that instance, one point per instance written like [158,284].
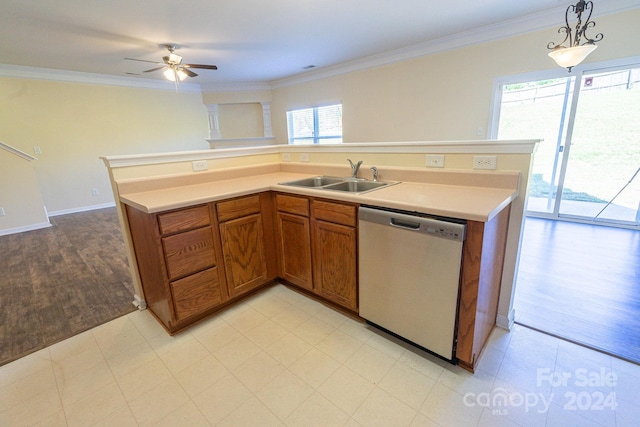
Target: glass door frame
[562,148]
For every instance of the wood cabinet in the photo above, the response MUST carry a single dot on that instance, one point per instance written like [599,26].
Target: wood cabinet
[194,260]
[191,261]
[317,245]
[178,259]
[482,261]
[243,234]
[294,240]
[335,239]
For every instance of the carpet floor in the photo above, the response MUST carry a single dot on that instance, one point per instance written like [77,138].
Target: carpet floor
[60,281]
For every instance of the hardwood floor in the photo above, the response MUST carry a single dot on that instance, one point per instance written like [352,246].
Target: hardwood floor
[59,281]
[581,283]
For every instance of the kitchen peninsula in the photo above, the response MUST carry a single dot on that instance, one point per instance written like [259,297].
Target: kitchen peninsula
[200,241]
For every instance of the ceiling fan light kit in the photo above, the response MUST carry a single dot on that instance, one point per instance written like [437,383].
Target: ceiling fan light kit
[172,73]
[174,69]
[579,45]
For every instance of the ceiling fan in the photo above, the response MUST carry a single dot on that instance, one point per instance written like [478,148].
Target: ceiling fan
[175,70]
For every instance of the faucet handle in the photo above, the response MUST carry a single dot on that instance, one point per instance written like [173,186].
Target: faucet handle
[375,173]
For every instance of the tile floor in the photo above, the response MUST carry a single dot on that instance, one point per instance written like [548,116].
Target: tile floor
[282,359]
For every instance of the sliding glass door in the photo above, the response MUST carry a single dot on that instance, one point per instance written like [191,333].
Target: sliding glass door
[588,166]
[602,182]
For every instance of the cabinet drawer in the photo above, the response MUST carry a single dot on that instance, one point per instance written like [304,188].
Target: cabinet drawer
[189,252]
[238,208]
[335,212]
[183,220]
[292,204]
[196,293]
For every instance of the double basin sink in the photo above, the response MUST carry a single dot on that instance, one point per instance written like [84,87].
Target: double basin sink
[349,185]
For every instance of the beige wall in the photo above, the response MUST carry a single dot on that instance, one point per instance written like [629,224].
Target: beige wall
[19,195]
[443,96]
[241,120]
[74,124]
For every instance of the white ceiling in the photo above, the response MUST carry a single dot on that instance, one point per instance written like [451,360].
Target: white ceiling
[253,40]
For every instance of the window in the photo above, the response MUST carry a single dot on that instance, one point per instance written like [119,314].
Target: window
[319,125]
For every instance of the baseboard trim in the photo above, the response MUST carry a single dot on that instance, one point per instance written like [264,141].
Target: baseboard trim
[140,303]
[506,322]
[82,209]
[22,229]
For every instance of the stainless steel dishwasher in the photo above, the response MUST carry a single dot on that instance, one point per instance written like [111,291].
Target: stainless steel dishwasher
[409,269]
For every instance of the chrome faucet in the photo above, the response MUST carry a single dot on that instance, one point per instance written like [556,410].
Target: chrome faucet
[375,173]
[354,168]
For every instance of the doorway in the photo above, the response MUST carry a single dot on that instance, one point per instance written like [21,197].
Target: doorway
[587,168]
[585,175]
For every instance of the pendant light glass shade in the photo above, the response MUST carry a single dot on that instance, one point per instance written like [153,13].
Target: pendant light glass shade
[569,57]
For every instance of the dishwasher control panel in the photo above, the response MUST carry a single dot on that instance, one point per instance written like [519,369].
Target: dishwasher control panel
[420,224]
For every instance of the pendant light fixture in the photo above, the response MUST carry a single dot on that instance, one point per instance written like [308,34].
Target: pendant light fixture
[579,45]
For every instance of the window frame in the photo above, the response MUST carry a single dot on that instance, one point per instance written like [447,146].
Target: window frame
[315,138]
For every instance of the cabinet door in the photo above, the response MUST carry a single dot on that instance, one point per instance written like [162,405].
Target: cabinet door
[335,263]
[244,255]
[295,249]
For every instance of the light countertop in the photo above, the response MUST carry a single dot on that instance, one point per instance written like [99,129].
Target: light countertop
[456,201]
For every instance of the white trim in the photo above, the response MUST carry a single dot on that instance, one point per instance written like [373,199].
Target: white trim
[466,147]
[82,209]
[515,27]
[17,152]
[506,322]
[20,71]
[24,228]
[140,303]
[253,141]
[236,87]
[184,156]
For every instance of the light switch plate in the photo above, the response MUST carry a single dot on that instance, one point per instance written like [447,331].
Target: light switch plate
[2,212]
[199,165]
[304,157]
[435,160]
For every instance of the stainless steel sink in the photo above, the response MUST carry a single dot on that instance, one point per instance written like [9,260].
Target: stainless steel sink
[315,182]
[332,183]
[356,186]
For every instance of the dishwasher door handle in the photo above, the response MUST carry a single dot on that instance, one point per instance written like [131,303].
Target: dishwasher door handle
[414,226]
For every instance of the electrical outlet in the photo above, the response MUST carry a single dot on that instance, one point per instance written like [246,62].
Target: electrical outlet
[94,192]
[37,150]
[286,157]
[435,160]
[485,162]
[2,212]
[304,157]
[199,165]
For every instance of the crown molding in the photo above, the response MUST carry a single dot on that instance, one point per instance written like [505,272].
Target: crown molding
[236,87]
[514,27]
[24,72]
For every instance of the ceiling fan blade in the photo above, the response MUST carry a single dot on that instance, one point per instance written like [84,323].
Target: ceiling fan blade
[188,72]
[143,60]
[205,67]
[154,69]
